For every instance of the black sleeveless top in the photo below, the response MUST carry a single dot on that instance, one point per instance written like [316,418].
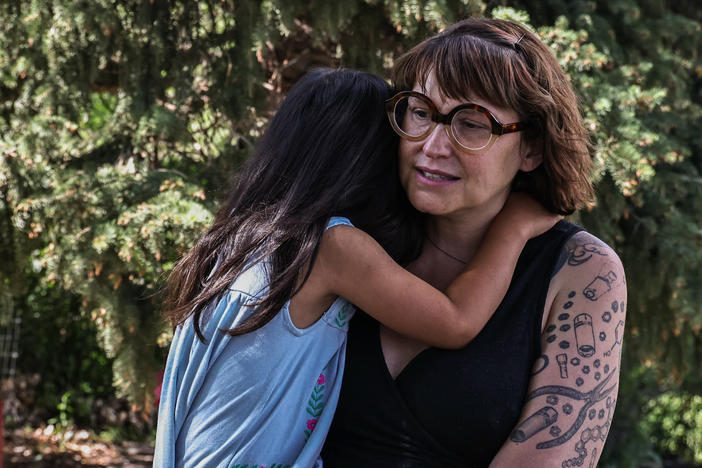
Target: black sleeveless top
[447,408]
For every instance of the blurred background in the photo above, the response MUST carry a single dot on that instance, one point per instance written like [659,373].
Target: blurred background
[121,123]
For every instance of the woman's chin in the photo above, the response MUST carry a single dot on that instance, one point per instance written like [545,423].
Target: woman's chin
[431,205]
[475,208]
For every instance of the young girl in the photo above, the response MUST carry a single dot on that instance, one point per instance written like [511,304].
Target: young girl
[262,303]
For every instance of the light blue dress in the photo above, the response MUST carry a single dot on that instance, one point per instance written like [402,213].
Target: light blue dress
[263,399]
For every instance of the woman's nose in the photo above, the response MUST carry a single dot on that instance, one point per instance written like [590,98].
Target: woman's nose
[438,144]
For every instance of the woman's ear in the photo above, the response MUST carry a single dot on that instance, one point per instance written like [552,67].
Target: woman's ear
[532,156]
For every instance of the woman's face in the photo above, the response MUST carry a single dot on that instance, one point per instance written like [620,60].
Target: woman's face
[441,180]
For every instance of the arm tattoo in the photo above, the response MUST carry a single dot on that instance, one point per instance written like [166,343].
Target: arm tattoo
[618,335]
[541,364]
[568,413]
[604,282]
[562,360]
[590,398]
[576,253]
[584,335]
[581,253]
[548,416]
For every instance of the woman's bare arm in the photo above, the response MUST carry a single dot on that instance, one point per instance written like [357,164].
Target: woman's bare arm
[573,389]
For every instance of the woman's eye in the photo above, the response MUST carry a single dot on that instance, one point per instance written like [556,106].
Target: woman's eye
[471,124]
[420,113]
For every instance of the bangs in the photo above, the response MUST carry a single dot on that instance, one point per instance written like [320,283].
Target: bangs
[466,66]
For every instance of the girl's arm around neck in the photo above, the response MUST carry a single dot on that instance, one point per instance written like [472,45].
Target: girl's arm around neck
[352,265]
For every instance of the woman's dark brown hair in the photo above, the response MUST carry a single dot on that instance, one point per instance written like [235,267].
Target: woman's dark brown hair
[328,151]
[506,64]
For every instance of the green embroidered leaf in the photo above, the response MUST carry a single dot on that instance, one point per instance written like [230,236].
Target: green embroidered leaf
[342,317]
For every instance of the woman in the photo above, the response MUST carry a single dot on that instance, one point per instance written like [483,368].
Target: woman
[490,112]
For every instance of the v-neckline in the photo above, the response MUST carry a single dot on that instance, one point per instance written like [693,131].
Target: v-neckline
[381,356]
[397,395]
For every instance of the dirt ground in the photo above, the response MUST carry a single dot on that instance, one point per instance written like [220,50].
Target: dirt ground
[42,448]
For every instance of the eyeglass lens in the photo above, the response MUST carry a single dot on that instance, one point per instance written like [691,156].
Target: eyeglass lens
[472,129]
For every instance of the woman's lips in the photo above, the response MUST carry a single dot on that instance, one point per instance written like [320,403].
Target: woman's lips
[434,177]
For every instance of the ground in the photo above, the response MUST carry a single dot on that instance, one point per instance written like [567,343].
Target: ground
[43,448]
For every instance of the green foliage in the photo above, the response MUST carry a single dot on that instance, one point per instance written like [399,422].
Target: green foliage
[674,421]
[59,344]
[110,141]
[629,442]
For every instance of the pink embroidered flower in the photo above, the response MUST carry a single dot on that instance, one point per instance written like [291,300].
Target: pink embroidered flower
[311,423]
[320,380]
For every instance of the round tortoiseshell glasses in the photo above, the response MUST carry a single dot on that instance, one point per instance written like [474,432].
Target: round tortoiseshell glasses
[470,127]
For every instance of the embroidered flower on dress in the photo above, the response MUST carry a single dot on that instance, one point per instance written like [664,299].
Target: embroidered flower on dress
[315,403]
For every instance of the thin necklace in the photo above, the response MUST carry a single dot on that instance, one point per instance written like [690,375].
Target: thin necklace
[445,252]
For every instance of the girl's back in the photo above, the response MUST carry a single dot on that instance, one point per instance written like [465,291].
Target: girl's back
[231,396]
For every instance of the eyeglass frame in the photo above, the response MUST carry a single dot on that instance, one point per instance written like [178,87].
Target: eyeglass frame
[498,128]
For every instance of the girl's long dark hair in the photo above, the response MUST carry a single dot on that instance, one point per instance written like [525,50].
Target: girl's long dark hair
[328,151]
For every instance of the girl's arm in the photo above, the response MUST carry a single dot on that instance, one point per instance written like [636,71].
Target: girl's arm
[352,265]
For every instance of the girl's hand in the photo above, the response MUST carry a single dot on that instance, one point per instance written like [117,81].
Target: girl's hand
[523,214]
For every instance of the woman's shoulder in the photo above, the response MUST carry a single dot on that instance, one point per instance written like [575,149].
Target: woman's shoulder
[583,247]
[588,264]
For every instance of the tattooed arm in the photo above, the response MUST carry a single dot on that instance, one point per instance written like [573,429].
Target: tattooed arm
[573,389]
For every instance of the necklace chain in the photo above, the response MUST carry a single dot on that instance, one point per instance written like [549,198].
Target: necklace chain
[445,252]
